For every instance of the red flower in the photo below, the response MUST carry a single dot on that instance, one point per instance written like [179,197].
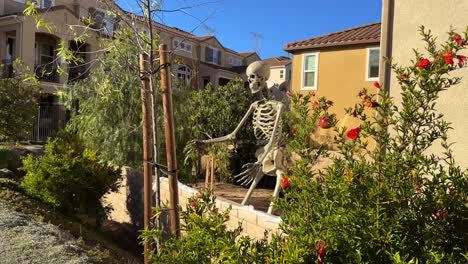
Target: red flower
[448,57]
[441,215]
[324,122]
[193,204]
[377,85]
[461,60]
[353,133]
[369,103]
[423,63]
[293,131]
[288,93]
[320,247]
[457,38]
[285,182]
[316,104]
[345,172]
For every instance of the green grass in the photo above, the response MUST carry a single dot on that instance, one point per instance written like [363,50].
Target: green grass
[92,241]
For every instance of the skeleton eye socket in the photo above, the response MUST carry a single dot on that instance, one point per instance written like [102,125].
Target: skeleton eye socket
[252,76]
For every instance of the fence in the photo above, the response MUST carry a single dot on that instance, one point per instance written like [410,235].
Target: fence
[50,118]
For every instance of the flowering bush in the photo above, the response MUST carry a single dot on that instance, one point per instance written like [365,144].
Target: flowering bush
[394,203]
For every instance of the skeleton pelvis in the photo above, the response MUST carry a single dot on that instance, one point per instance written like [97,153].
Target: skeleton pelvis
[273,161]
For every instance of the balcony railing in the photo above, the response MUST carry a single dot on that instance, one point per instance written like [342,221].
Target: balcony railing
[6,70]
[76,73]
[47,73]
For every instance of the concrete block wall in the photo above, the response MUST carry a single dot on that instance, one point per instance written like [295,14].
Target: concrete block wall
[254,223]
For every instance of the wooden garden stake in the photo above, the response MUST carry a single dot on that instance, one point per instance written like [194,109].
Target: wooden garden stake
[147,146]
[166,88]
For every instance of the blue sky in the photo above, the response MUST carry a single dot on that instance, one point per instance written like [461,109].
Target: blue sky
[278,22]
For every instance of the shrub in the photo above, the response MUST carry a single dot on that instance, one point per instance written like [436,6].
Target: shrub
[207,239]
[18,108]
[396,203]
[68,176]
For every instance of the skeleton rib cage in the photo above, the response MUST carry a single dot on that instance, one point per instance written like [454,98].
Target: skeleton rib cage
[263,120]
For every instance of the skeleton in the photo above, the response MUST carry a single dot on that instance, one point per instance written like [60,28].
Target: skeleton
[267,125]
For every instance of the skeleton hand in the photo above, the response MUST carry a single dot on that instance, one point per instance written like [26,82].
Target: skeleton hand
[247,176]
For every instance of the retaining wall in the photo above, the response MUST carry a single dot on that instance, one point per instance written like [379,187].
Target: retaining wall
[128,206]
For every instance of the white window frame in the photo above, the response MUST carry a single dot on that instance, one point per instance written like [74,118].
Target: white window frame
[178,46]
[40,3]
[187,74]
[369,79]
[281,73]
[215,58]
[317,54]
[235,61]
[104,27]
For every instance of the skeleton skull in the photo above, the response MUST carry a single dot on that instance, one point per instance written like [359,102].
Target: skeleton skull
[258,73]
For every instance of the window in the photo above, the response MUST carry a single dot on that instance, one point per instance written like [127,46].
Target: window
[281,74]
[234,61]
[103,21]
[309,71]
[180,45]
[44,3]
[46,54]
[212,55]
[373,59]
[182,74]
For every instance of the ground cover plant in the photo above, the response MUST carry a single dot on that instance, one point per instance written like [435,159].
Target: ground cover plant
[395,202]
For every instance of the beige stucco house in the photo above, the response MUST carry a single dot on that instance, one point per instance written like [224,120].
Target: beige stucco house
[280,72]
[196,60]
[400,22]
[337,65]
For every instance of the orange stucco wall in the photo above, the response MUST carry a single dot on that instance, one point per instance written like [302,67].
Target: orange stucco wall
[341,75]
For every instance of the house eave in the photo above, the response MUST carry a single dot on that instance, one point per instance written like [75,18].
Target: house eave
[329,45]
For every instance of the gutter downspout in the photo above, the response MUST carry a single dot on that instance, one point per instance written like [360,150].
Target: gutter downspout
[386,42]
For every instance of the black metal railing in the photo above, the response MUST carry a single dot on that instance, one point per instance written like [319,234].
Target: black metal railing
[6,68]
[77,72]
[49,120]
[47,73]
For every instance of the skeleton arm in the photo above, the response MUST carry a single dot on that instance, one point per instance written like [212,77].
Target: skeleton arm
[232,135]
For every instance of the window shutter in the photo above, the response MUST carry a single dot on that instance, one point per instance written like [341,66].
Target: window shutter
[219,57]
[208,54]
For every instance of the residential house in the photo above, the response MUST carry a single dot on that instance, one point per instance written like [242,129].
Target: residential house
[400,22]
[337,65]
[280,72]
[196,60]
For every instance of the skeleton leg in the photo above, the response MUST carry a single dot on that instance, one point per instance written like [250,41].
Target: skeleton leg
[257,179]
[279,178]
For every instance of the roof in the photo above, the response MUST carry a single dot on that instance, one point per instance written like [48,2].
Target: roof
[277,61]
[247,54]
[369,33]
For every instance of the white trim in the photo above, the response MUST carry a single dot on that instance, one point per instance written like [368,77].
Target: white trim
[304,55]
[367,64]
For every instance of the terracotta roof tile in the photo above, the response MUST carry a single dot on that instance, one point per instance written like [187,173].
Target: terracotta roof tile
[277,61]
[247,54]
[369,33]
